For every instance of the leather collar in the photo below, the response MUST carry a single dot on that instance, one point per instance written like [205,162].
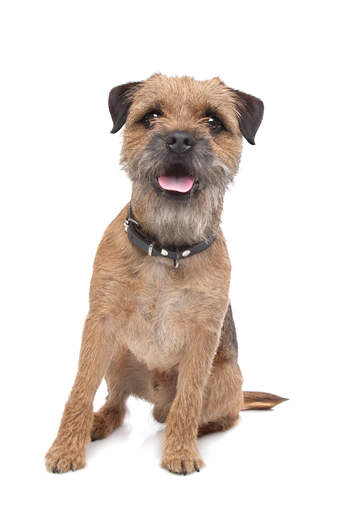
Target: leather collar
[138,238]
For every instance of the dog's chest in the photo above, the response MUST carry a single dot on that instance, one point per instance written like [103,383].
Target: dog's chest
[163,310]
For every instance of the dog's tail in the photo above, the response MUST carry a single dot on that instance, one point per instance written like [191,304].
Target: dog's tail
[259,400]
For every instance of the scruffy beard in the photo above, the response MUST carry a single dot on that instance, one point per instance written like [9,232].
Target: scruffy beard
[177,223]
[174,222]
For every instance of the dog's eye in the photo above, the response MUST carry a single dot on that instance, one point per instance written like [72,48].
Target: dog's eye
[150,117]
[215,124]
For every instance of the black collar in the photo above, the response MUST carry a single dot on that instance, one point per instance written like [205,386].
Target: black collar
[138,238]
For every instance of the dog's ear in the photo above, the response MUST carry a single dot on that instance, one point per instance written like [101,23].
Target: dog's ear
[250,114]
[120,100]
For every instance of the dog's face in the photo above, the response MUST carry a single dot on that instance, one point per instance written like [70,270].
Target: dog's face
[183,137]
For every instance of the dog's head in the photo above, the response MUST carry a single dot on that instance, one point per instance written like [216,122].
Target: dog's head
[183,137]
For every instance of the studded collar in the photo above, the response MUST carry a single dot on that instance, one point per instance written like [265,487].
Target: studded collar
[140,240]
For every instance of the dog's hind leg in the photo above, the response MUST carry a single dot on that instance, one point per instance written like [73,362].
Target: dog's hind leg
[221,405]
[223,397]
[125,376]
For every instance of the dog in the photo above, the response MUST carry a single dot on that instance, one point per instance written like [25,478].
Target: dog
[160,322]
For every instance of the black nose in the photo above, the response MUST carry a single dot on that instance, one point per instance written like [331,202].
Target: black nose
[179,141]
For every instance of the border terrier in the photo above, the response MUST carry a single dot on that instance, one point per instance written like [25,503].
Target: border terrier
[160,323]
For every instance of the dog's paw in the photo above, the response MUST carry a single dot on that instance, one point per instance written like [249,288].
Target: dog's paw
[160,413]
[105,421]
[101,427]
[182,463]
[60,459]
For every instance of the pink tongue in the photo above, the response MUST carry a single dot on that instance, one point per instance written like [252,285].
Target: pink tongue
[176,183]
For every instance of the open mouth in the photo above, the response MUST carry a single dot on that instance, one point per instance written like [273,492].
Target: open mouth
[177,186]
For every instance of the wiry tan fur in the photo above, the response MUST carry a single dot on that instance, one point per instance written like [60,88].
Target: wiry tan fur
[163,334]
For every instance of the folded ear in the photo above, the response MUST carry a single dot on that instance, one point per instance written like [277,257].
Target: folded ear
[250,114]
[120,100]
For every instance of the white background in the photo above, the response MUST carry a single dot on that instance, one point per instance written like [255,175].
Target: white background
[61,186]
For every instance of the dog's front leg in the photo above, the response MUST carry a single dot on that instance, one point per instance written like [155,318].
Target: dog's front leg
[68,450]
[181,453]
